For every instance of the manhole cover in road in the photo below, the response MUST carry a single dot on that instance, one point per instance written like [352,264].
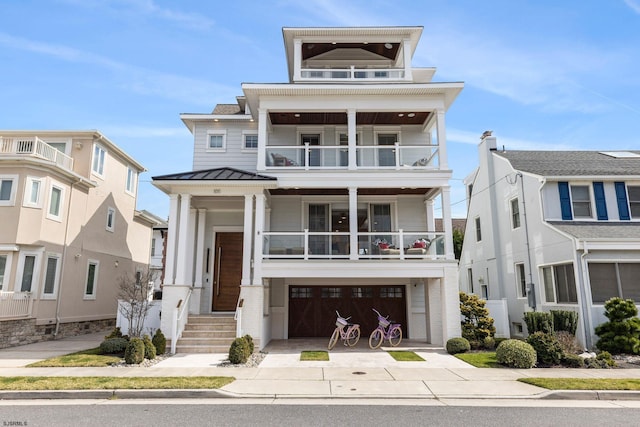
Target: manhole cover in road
[359,373]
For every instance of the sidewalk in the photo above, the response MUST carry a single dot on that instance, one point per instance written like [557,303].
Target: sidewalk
[351,373]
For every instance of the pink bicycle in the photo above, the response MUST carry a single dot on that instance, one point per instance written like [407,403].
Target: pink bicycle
[386,330]
[349,332]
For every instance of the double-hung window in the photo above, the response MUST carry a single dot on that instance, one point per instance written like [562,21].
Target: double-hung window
[250,141]
[515,214]
[99,157]
[131,181]
[634,200]
[8,184]
[581,201]
[559,284]
[217,141]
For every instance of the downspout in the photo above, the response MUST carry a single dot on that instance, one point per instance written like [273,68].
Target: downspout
[64,258]
[586,315]
[532,294]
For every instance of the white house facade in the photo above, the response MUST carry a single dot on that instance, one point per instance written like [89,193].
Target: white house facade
[552,230]
[318,195]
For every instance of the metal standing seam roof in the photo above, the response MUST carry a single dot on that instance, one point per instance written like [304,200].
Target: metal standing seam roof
[218,174]
[599,230]
[571,163]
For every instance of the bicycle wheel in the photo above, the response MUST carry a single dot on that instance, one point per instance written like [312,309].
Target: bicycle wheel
[375,339]
[395,336]
[334,338]
[354,336]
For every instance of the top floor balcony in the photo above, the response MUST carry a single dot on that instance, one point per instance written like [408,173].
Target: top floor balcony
[352,74]
[36,148]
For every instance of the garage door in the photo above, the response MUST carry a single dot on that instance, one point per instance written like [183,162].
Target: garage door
[312,309]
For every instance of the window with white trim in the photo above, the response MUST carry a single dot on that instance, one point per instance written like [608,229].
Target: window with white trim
[515,214]
[581,201]
[478,230]
[92,280]
[131,181]
[250,141]
[614,279]
[559,284]
[4,270]
[111,219]
[56,198]
[32,192]
[8,185]
[27,271]
[521,280]
[217,141]
[99,157]
[51,276]
[633,192]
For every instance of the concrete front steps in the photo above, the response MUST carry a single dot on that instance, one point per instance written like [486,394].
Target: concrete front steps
[207,334]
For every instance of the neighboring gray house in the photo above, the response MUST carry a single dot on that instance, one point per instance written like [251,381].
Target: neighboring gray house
[551,230]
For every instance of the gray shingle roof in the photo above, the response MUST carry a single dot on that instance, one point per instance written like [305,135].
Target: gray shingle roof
[571,163]
[599,230]
[227,109]
[219,174]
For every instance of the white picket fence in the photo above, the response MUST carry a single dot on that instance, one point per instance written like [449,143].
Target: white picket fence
[15,304]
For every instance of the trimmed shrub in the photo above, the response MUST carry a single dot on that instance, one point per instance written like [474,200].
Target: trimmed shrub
[516,354]
[621,334]
[605,356]
[489,343]
[602,361]
[249,340]
[239,351]
[538,321]
[568,342]
[458,345]
[547,348]
[134,353]
[159,341]
[149,348]
[113,345]
[116,333]
[572,361]
[565,320]
[476,323]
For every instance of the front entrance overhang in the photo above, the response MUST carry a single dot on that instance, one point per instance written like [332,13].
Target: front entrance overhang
[354,269]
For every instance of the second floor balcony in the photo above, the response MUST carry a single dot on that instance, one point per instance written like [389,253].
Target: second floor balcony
[36,148]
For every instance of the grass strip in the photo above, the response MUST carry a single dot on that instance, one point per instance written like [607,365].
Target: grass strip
[112,383]
[482,359]
[82,359]
[405,356]
[584,383]
[317,356]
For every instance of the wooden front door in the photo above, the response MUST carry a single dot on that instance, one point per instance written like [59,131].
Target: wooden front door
[227,271]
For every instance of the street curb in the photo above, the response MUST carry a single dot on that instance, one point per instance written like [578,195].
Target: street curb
[116,394]
[591,395]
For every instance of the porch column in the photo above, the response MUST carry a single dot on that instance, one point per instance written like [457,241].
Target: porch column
[297,59]
[262,138]
[442,140]
[351,136]
[406,51]
[170,261]
[447,227]
[431,221]
[257,247]
[202,217]
[353,223]
[191,246]
[247,237]
[183,237]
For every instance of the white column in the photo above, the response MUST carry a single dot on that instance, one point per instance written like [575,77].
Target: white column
[247,237]
[202,217]
[262,138]
[442,140]
[351,136]
[406,50]
[183,236]
[170,261]
[445,195]
[431,221]
[353,223]
[297,59]
[257,247]
[191,247]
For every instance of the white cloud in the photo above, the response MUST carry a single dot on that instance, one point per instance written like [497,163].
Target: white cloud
[635,6]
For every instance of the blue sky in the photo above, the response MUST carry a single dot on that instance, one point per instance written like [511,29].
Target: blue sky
[541,74]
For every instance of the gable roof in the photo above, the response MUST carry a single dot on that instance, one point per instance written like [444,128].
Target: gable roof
[218,174]
[571,163]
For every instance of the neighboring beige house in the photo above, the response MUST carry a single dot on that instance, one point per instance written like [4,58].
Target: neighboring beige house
[317,195]
[69,231]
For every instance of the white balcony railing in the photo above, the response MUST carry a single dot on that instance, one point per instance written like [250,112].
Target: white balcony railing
[35,147]
[337,157]
[15,304]
[371,245]
[352,74]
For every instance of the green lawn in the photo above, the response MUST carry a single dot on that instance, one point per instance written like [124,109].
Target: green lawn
[318,356]
[480,359]
[84,359]
[583,384]
[405,356]
[111,383]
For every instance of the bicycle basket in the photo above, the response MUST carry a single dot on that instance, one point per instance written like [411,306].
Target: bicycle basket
[340,322]
[383,322]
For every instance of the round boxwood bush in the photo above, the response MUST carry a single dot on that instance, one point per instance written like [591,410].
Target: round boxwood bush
[134,353]
[547,348]
[239,351]
[113,345]
[149,348]
[516,354]
[159,341]
[458,345]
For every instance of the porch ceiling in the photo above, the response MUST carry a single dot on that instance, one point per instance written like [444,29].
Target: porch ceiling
[345,192]
[340,118]
[311,50]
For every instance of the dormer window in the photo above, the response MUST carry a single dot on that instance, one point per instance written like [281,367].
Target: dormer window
[581,201]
